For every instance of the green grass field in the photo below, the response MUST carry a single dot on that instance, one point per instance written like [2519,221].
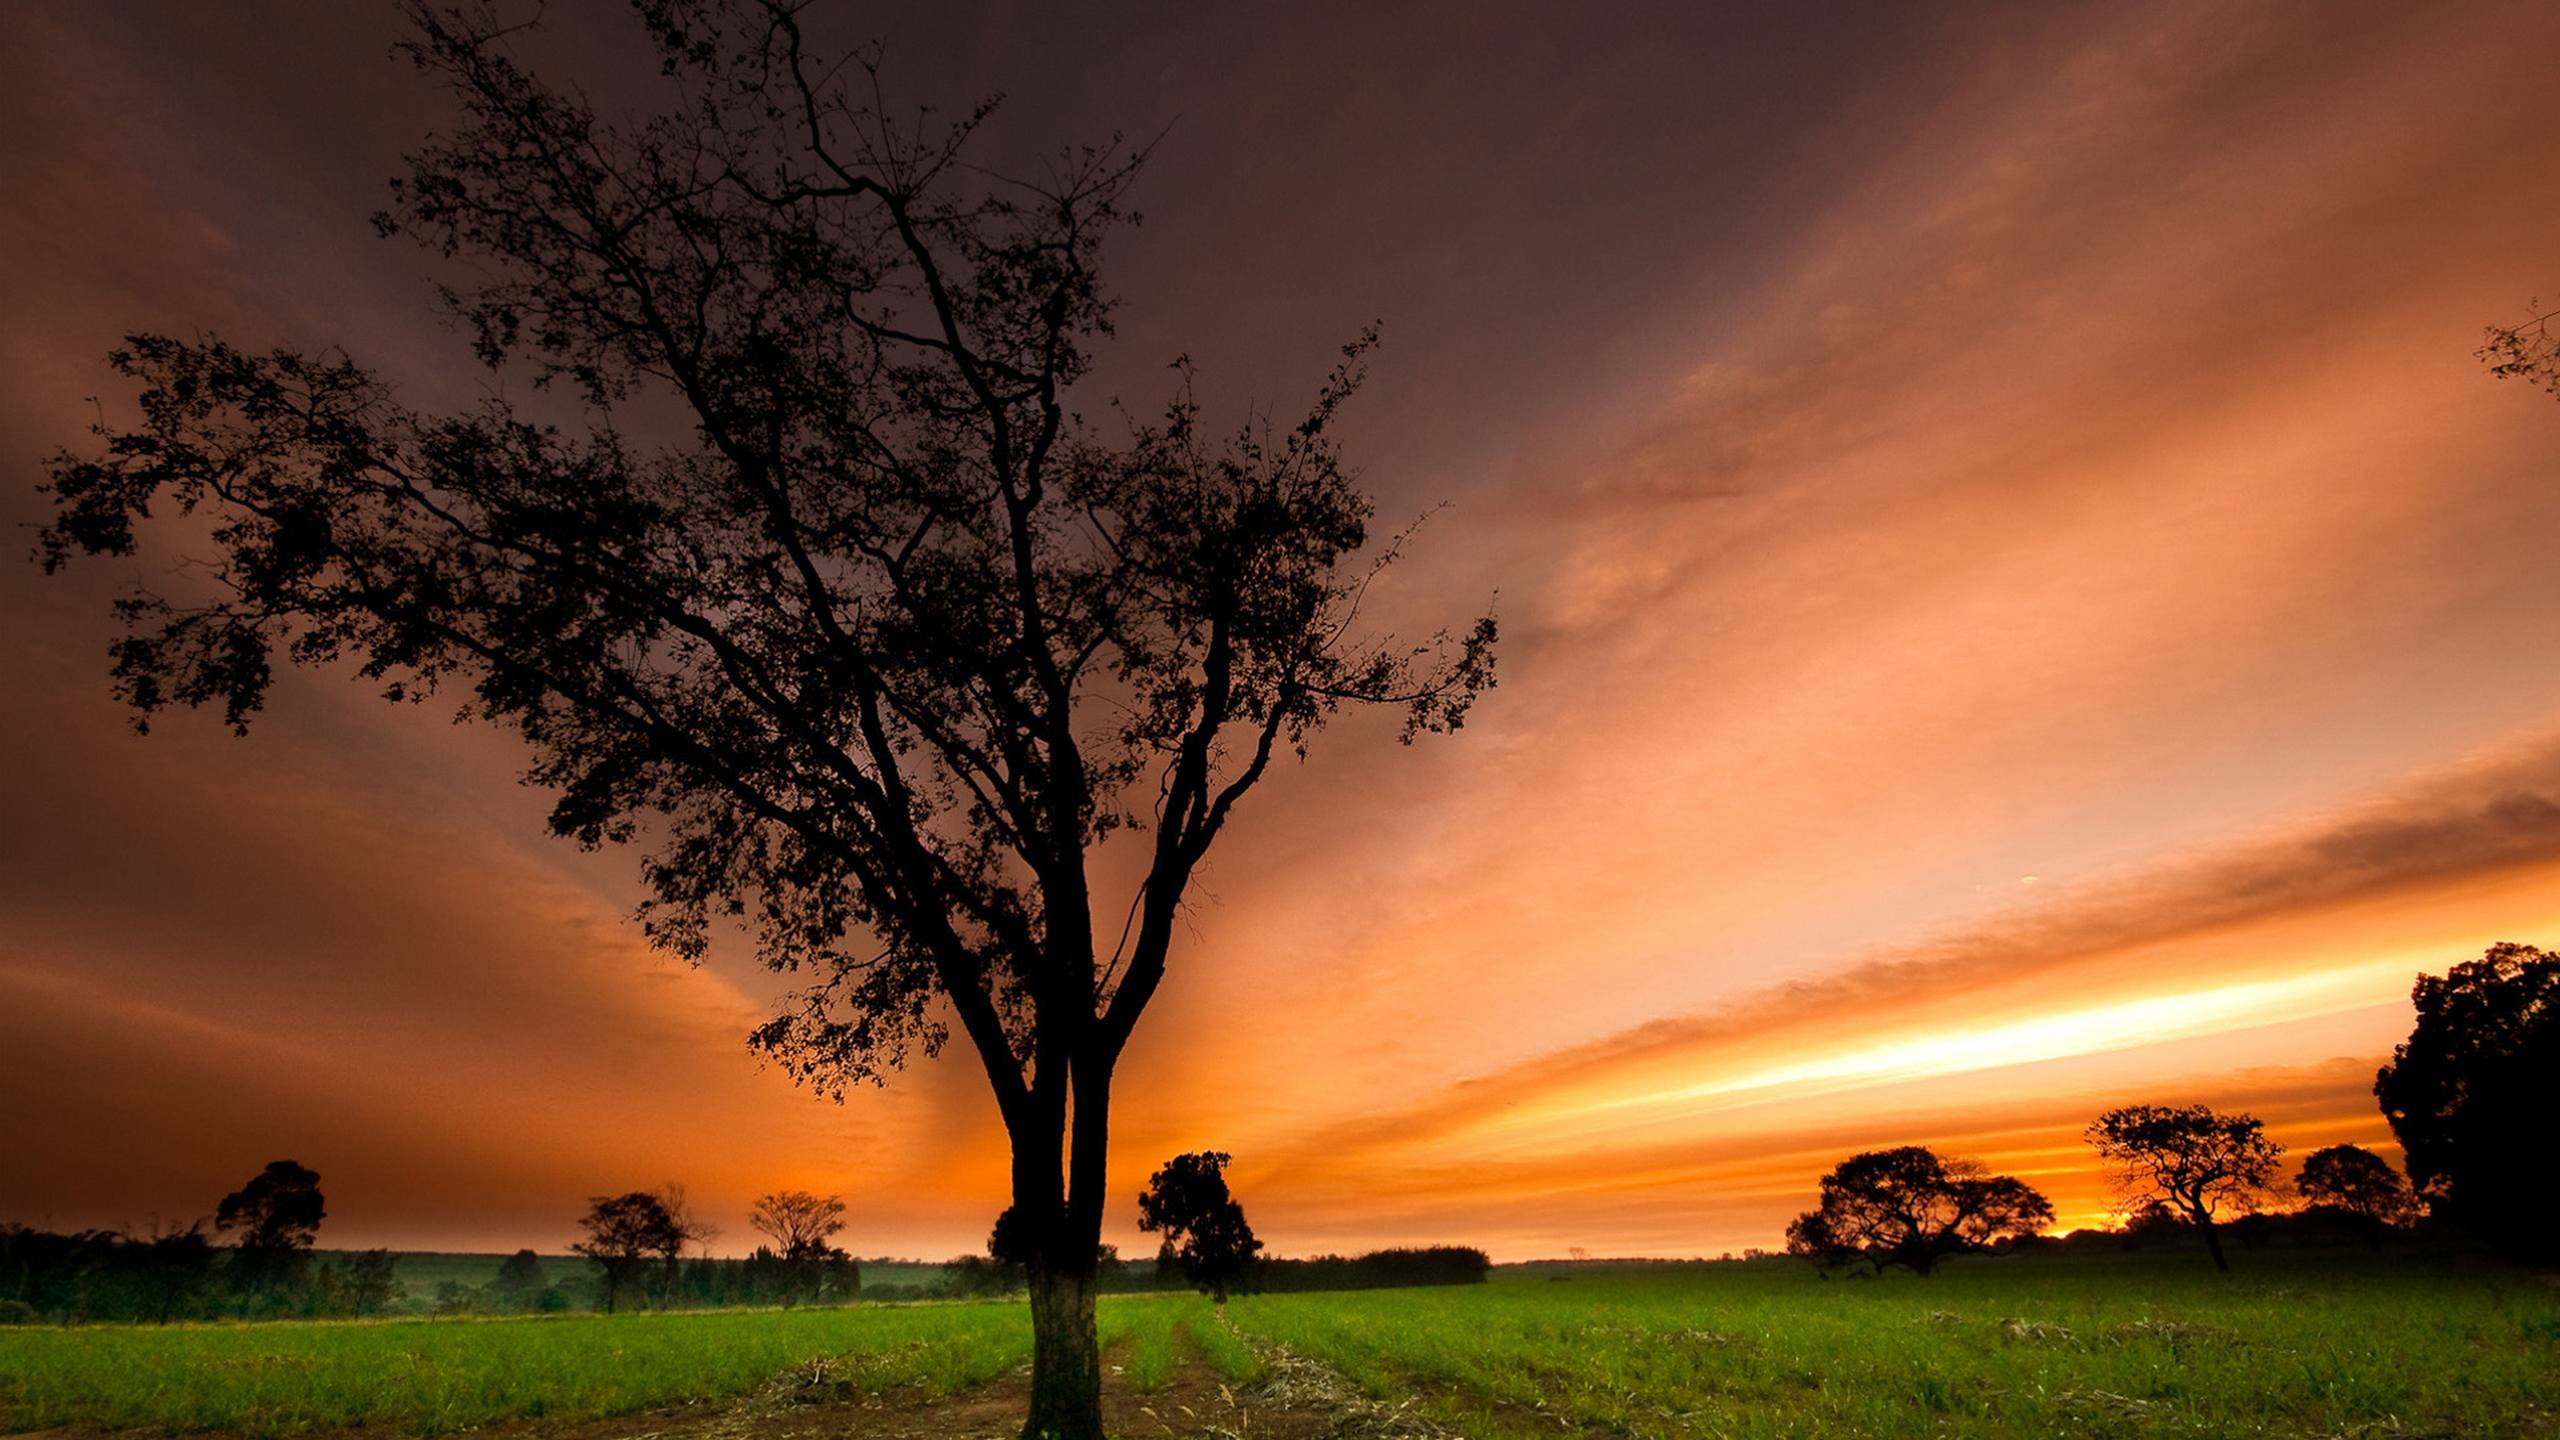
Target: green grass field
[2301,1344]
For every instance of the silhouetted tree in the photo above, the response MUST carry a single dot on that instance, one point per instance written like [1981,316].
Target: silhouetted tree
[2526,350]
[1204,1229]
[274,1217]
[2469,1094]
[2189,1158]
[800,1225]
[2356,1182]
[520,1280]
[875,644]
[623,1233]
[1908,1207]
[368,1284]
[683,1228]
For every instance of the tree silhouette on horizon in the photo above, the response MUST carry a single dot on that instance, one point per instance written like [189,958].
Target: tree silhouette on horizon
[878,647]
[802,1227]
[623,1234]
[2352,1181]
[275,1218]
[1205,1233]
[2191,1159]
[1906,1206]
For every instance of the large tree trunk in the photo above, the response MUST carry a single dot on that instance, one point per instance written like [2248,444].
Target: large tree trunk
[1066,1359]
[1066,1355]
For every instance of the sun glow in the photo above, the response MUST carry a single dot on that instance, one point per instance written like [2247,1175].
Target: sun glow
[2093,1030]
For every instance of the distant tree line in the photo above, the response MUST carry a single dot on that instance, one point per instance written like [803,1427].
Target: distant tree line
[2468,1095]
[636,1244]
[266,1271]
[981,1276]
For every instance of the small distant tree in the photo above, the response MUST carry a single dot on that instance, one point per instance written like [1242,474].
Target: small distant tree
[370,1284]
[684,1227]
[2356,1182]
[623,1233]
[275,1217]
[1908,1207]
[520,1280]
[2190,1158]
[801,1226]
[1204,1229]
[2470,1091]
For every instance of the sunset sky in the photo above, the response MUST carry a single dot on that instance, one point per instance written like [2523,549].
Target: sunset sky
[2017,598]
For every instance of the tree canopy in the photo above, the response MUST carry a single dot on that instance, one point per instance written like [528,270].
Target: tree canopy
[2469,1094]
[798,1223]
[273,1219]
[1204,1228]
[1906,1206]
[623,1233]
[802,1227]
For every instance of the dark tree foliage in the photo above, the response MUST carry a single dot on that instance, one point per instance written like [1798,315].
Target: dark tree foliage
[1908,1207]
[177,1274]
[1012,1240]
[2191,1159]
[520,1281]
[102,1275]
[273,1219]
[1810,1235]
[2356,1183]
[2470,1093]
[2526,350]
[623,1234]
[1204,1229]
[173,1272]
[878,647]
